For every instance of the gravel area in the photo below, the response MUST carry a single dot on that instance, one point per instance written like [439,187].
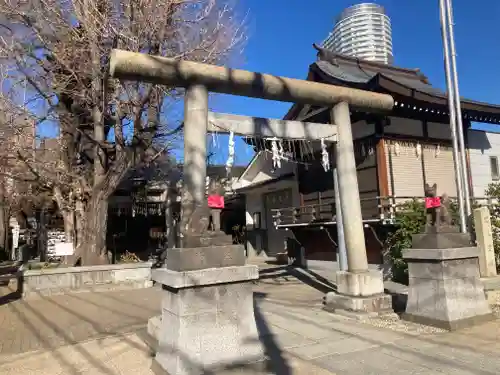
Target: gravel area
[496,310]
[393,322]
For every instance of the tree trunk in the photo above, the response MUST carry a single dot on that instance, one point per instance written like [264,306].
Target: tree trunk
[4,221]
[69,226]
[42,234]
[91,248]
[79,222]
[4,229]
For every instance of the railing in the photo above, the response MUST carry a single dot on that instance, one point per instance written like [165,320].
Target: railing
[325,214]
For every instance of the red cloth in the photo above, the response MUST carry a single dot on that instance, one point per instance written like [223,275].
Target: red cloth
[215,201]
[432,202]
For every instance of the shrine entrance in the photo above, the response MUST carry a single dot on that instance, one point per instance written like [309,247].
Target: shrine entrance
[276,237]
[204,261]
[199,79]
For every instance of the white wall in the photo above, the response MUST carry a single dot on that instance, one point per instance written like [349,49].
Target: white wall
[482,145]
[255,199]
[262,169]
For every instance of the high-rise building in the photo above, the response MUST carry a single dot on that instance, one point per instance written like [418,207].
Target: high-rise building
[362,31]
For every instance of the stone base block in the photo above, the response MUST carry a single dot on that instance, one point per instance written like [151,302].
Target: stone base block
[207,239]
[210,276]
[361,284]
[207,321]
[450,325]
[264,367]
[444,288]
[361,293]
[154,325]
[189,259]
[366,306]
[441,240]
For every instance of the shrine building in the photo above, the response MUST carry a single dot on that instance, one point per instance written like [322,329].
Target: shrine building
[396,154]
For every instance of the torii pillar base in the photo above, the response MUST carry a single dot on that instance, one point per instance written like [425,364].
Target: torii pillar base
[360,293]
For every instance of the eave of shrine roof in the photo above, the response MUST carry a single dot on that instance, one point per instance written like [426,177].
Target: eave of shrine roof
[355,74]
[343,69]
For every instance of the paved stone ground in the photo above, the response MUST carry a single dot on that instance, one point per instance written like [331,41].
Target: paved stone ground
[102,333]
[48,323]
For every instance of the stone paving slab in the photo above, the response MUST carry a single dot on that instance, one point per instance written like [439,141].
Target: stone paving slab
[102,333]
[123,354]
[47,323]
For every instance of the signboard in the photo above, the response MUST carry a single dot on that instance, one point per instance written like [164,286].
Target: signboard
[15,236]
[54,238]
[63,249]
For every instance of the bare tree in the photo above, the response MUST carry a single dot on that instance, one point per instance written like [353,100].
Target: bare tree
[17,136]
[61,48]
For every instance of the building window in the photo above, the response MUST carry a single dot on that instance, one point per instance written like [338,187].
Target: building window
[256,220]
[495,175]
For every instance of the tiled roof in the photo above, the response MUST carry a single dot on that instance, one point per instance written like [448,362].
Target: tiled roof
[353,70]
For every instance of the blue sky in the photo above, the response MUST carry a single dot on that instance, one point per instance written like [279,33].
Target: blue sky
[281,34]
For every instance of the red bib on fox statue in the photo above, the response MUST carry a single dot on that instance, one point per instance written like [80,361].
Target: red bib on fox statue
[216,201]
[432,202]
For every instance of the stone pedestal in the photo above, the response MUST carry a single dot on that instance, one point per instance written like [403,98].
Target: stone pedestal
[207,322]
[445,290]
[359,293]
[445,237]
[206,239]
[484,239]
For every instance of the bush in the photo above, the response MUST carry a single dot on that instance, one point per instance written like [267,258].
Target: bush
[410,219]
[493,192]
[129,257]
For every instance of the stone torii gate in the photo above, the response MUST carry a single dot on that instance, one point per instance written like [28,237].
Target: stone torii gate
[214,267]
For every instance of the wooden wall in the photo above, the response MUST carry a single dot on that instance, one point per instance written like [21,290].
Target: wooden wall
[316,184]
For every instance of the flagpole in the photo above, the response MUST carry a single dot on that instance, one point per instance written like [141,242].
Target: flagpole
[458,106]
[453,117]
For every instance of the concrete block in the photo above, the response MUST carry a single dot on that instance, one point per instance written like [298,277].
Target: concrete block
[207,239]
[207,328]
[379,304]
[360,293]
[362,284]
[484,239]
[54,281]
[441,254]
[204,277]
[189,259]
[440,240]
[443,291]
[450,269]
[153,328]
